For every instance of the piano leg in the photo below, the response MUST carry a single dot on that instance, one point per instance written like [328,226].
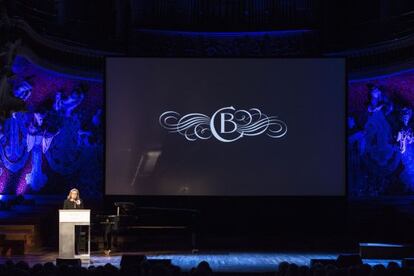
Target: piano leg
[193,242]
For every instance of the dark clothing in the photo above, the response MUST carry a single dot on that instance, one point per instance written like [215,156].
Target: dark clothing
[108,233]
[67,204]
[111,232]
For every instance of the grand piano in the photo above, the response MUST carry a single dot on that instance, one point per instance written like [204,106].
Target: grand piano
[130,224]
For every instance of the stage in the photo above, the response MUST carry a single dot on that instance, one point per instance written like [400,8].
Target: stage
[219,261]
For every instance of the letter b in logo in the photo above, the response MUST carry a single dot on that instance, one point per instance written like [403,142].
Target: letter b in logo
[227,119]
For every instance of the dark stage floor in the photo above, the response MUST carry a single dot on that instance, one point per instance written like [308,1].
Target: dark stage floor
[219,261]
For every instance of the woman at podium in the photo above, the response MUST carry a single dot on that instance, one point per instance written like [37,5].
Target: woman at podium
[73,200]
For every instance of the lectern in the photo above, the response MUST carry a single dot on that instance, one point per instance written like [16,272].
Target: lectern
[68,219]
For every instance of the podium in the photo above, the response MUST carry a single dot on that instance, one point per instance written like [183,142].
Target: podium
[68,219]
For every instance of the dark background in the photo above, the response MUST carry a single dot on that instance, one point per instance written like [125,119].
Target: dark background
[307,94]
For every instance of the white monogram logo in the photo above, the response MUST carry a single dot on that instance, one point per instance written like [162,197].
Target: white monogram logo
[226,124]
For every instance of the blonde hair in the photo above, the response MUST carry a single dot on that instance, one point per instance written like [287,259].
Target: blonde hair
[74,190]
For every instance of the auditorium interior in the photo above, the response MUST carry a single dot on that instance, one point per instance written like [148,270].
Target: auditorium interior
[207,137]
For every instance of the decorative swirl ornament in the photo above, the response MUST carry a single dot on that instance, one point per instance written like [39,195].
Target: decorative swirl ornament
[226,124]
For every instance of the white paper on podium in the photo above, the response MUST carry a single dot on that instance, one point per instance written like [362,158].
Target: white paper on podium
[76,216]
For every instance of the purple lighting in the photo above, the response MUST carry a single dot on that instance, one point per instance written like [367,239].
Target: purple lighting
[381,140]
[49,149]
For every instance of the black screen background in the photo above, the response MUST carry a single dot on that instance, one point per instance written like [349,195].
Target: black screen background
[308,94]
